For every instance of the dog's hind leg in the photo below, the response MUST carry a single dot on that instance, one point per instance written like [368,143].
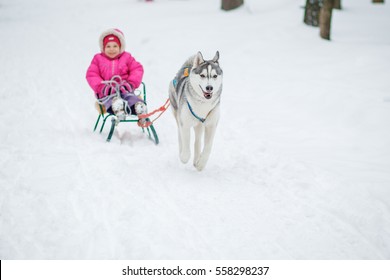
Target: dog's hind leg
[179,135]
[199,129]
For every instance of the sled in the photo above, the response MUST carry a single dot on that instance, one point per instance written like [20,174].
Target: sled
[104,115]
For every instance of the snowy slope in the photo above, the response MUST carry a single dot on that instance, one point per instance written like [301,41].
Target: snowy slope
[300,166]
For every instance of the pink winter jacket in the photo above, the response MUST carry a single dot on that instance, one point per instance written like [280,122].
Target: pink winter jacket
[103,68]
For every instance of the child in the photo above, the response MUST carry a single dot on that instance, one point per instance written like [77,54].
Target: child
[115,64]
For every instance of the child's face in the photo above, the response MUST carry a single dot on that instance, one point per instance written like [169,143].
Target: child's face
[112,49]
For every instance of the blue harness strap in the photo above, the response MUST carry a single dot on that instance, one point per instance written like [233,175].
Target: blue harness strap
[195,115]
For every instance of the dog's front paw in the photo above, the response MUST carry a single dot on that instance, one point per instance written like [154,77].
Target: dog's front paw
[201,163]
[185,156]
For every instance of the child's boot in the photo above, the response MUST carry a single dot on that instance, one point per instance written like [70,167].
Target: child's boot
[140,109]
[118,108]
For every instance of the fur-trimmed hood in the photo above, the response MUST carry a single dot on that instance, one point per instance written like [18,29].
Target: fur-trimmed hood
[115,32]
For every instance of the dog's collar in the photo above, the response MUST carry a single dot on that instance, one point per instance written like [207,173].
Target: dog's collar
[202,120]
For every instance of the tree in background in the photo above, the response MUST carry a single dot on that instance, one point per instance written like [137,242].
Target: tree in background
[378,1]
[326,18]
[231,4]
[312,12]
[337,4]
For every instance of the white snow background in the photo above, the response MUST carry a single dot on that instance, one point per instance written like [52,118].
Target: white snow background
[300,167]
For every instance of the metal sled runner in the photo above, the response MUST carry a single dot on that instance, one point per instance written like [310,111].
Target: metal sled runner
[104,115]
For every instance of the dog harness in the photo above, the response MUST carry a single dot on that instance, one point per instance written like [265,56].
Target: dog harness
[185,74]
[202,120]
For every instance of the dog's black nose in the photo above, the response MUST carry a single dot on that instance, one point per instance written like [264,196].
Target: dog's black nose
[209,88]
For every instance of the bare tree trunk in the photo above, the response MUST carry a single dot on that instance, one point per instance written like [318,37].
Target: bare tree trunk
[378,1]
[325,19]
[312,12]
[231,4]
[337,4]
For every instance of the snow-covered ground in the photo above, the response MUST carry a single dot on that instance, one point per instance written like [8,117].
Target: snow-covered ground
[300,168]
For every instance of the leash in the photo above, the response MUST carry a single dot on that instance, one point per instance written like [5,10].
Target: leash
[162,109]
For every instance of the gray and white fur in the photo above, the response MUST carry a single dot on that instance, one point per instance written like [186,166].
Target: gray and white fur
[195,95]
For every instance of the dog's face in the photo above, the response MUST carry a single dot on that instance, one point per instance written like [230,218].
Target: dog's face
[206,76]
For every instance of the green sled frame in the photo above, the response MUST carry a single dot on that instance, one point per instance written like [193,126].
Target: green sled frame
[152,134]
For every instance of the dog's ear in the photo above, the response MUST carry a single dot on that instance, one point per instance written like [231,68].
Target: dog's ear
[216,57]
[198,59]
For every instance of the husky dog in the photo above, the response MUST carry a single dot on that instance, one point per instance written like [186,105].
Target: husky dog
[195,95]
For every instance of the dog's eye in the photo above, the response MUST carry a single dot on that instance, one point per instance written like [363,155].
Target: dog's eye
[202,76]
[215,76]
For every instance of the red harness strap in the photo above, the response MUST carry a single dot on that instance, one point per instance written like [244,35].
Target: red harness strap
[162,109]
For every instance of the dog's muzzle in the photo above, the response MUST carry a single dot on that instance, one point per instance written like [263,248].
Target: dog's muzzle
[208,93]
